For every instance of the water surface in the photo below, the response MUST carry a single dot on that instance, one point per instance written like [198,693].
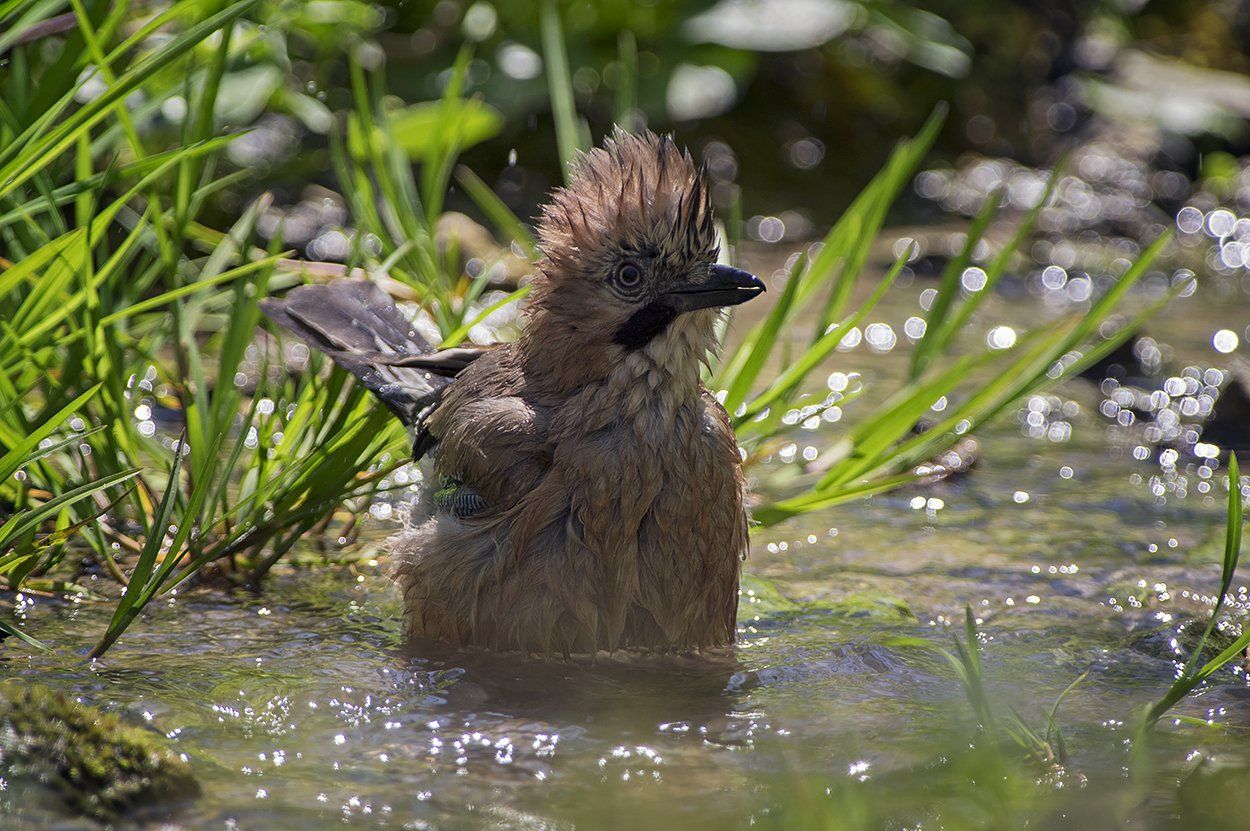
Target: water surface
[300,707]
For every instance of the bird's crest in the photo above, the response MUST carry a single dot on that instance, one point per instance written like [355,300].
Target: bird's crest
[637,192]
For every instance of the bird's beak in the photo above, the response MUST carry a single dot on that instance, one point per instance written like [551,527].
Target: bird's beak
[725,286]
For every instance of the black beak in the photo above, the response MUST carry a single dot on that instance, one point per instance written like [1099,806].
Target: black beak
[725,286]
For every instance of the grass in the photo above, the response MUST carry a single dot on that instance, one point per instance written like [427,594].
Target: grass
[881,448]
[1192,673]
[122,306]
[125,308]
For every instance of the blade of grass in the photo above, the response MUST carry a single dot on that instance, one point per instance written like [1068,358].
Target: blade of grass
[560,86]
[48,145]
[937,335]
[1192,674]
[458,335]
[9,629]
[757,347]
[798,370]
[24,521]
[146,580]
[17,455]
[497,212]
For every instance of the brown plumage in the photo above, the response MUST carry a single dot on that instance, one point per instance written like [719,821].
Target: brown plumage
[589,490]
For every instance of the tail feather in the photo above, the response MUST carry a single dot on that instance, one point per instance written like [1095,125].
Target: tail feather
[359,327]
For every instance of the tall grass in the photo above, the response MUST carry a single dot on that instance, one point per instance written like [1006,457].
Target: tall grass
[122,309]
[390,205]
[147,426]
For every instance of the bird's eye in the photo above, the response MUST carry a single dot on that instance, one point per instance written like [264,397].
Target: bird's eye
[628,275]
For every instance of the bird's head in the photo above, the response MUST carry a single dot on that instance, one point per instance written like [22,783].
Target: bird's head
[629,252]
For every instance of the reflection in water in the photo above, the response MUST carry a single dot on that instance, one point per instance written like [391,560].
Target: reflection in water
[622,692]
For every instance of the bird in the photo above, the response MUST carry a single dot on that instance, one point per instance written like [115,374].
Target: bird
[587,493]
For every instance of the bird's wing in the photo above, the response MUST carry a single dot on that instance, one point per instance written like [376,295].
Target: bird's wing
[446,364]
[359,327]
[355,323]
[491,449]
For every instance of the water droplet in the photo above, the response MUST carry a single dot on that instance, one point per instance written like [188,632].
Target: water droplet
[1225,341]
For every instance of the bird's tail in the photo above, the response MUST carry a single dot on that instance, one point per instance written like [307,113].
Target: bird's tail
[359,327]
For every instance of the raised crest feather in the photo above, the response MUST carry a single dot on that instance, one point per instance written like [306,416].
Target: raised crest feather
[638,192]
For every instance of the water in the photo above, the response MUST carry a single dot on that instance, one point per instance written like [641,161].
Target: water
[301,707]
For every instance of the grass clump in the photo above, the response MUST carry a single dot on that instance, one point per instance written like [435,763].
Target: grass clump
[143,428]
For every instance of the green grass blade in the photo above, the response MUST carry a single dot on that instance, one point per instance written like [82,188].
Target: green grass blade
[741,371]
[164,298]
[937,334]
[1232,552]
[25,521]
[798,370]
[497,212]
[458,335]
[9,629]
[560,86]
[48,145]
[17,455]
[1189,678]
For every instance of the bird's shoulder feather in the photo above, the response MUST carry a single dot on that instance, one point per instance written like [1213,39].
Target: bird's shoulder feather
[491,432]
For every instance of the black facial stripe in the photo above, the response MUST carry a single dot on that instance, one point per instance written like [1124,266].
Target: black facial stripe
[644,324]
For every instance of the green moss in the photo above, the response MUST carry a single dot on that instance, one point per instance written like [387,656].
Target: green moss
[95,765]
[759,596]
[867,604]
[762,598]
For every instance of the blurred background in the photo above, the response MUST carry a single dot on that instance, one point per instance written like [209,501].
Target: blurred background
[793,103]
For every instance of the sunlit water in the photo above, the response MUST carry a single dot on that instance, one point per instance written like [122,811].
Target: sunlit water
[299,707]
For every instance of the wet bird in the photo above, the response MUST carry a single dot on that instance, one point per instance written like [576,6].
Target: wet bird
[587,487]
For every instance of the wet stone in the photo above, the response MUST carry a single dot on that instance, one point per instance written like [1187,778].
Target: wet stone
[1229,425]
[62,758]
[1176,640]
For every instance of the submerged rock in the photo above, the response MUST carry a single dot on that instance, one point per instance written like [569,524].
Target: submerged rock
[1229,425]
[61,757]
[1177,640]
[1134,362]
[867,604]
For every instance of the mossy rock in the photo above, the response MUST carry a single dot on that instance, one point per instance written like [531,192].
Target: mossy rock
[867,604]
[81,760]
[1177,640]
[761,597]
[1125,591]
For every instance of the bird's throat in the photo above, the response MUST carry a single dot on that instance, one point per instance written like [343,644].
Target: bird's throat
[644,325]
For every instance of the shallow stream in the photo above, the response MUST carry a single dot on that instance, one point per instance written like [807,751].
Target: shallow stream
[299,707]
